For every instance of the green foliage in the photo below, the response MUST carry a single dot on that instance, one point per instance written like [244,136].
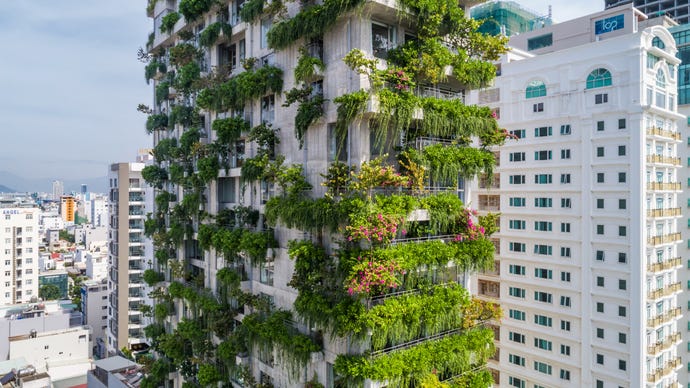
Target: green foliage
[156,122]
[165,150]
[193,9]
[162,91]
[311,22]
[49,292]
[184,54]
[315,215]
[152,68]
[189,140]
[251,10]
[152,277]
[168,22]
[294,348]
[208,374]
[209,36]
[253,168]
[188,77]
[308,112]
[266,138]
[208,168]
[307,66]
[452,355]
[247,85]
[154,175]
[349,107]
[230,129]
[187,116]
[256,244]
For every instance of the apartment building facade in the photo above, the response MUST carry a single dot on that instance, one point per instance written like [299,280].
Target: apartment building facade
[19,240]
[129,198]
[588,190]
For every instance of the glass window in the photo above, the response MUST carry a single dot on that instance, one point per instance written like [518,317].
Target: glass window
[660,78]
[598,78]
[535,89]
[382,39]
[540,42]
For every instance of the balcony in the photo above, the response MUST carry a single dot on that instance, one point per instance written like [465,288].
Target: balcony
[654,131]
[438,92]
[664,318]
[659,373]
[668,212]
[136,197]
[666,291]
[666,343]
[664,265]
[664,239]
[661,159]
[663,186]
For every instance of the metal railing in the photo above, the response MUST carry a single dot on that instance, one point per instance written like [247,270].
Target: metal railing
[664,239]
[667,212]
[655,131]
[664,186]
[664,265]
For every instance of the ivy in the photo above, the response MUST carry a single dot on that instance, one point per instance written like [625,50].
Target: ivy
[168,22]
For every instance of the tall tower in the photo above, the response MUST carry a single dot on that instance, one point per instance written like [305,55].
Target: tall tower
[129,197]
[589,192]
[58,190]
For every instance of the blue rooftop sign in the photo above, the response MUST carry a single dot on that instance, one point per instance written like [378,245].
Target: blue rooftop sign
[609,24]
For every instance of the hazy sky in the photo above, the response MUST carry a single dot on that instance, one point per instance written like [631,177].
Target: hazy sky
[70,82]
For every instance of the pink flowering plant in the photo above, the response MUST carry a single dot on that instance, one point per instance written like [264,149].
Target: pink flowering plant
[377,228]
[371,277]
[398,80]
[472,229]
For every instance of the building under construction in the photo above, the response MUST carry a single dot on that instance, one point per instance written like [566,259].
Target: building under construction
[508,18]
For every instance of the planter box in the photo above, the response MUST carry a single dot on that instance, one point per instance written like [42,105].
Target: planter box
[418,215]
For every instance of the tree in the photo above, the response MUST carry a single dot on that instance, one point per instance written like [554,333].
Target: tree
[49,292]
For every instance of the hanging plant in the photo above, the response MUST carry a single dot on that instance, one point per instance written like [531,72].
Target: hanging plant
[154,67]
[156,122]
[209,36]
[183,54]
[188,77]
[208,168]
[154,175]
[307,66]
[251,10]
[193,9]
[168,22]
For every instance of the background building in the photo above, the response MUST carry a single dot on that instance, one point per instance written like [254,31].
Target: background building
[58,190]
[94,308]
[589,199]
[678,10]
[129,199]
[18,252]
[68,207]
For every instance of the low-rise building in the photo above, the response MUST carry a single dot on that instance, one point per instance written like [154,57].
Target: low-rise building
[94,306]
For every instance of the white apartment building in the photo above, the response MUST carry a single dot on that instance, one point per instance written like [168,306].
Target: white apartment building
[58,190]
[130,196]
[98,211]
[18,252]
[588,195]
[94,307]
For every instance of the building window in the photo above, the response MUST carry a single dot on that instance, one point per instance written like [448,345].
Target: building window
[565,178]
[621,123]
[265,27]
[517,224]
[543,226]
[600,281]
[600,359]
[598,78]
[516,247]
[565,276]
[543,297]
[565,374]
[516,179]
[565,227]
[542,320]
[543,179]
[622,338]
[517,201]
[565,301]
[600,177]
[519,133]
[517,314]
[600,203]
[565,203]
[565,350]
[542,344]
[600,255]
[622,231]
[600,332]
[600,307]
[543,132]
[622,257]
[382,39]
[517,157]
[600,152]
[516,292]
[565,129]
[622,284]
[542,273]
[540,42]
[538,107]
[601,98]
[622,311]
[601,126]
[516,337]
[542,367]
[565,251]
[660,78]
[541,249]
[622,365]
[516,382]
[516,269]
[543,202]
[337,148]
[621,177]
[565,154]
[268,106]
[565,325]
[542,155]
[515,359]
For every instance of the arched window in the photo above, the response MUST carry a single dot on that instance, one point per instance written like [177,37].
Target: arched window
[598,78]
[657,42]
[660,78]
[535,89]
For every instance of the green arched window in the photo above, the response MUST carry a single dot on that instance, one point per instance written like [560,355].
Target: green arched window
[598,78]
[657,42]
[535,89]
[660,78]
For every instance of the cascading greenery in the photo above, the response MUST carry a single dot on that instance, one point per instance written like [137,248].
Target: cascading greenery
[235,92]
[168,22]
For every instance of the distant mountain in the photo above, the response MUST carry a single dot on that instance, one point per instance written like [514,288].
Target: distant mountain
[45,185]
[5,189]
